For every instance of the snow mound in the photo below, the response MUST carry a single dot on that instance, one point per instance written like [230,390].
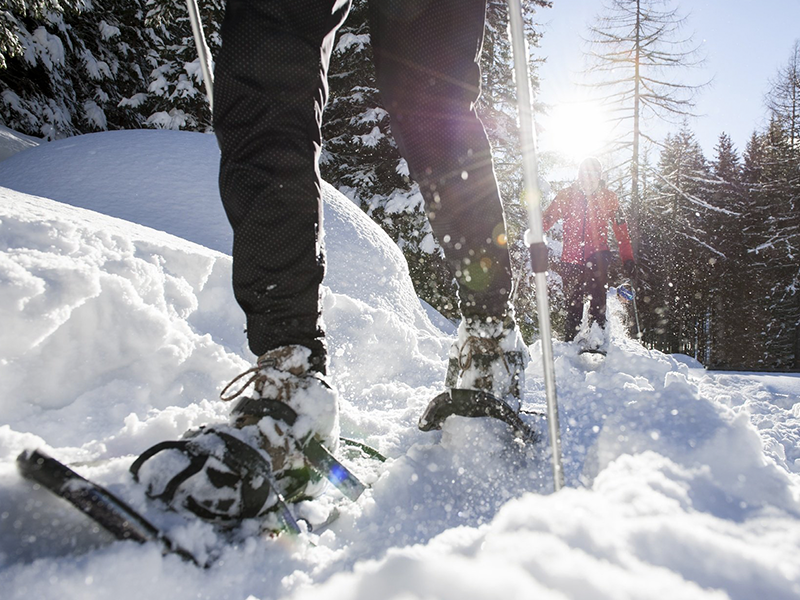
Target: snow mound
[167,180]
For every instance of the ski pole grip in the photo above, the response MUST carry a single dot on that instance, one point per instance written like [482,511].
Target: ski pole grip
[539,257]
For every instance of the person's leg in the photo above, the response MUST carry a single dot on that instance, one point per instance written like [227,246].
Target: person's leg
[597,282]
[270,89]
[427,61]
[573,279]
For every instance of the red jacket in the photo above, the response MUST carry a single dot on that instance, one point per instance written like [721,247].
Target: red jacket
[586,223]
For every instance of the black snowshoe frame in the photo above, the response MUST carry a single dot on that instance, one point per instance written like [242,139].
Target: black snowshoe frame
[103,507]
[595,351]
[474,403]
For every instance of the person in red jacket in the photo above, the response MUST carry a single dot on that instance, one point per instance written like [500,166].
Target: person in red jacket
[587,208]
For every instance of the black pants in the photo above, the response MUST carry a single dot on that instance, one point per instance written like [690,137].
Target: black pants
[269,94]
[580,281]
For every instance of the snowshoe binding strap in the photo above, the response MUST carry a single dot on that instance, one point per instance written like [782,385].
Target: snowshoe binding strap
[245,466]
[249,411]
[196,464]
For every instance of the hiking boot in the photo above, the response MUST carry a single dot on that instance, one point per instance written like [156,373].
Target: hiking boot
[256,463]
[489,355]
[285,377]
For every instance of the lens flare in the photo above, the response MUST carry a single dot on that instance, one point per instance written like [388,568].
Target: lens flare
[576,129]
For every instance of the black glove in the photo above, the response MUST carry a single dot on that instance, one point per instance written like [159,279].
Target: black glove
[630,267]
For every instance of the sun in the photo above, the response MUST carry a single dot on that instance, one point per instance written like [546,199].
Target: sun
[575,129]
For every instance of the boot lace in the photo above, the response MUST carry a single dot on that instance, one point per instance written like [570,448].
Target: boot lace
[258,378]
[476,346]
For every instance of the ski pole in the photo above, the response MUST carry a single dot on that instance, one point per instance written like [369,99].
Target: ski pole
[538,249]
[203,52]
[636,316]
[627,291]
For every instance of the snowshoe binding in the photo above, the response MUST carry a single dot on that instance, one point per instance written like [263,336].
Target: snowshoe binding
[276,450]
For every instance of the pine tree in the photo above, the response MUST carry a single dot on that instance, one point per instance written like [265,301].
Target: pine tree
[783,100]
[774,243]
[176,97]
[676,256]
[75,67]
[66,67]
[731,329]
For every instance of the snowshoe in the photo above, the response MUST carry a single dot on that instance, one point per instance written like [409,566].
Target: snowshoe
[125,523]
[473,403]
[485,376]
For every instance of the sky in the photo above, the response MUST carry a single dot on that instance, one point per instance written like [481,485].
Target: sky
[744,42]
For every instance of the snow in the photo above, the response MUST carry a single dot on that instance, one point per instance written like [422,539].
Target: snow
[119,329]
[107,31]
[348,40]
[12,142]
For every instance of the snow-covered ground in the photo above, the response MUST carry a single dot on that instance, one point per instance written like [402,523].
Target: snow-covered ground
[118,328]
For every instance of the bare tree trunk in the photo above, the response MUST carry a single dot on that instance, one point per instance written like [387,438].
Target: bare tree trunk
[635,208]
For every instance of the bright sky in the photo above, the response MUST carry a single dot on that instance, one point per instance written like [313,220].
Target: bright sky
[745,42]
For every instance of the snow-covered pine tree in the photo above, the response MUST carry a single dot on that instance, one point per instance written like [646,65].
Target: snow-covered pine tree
[773,180]
[176,93]
[675,255]
[75,67]
[732,326]
[67,67]
[360,158]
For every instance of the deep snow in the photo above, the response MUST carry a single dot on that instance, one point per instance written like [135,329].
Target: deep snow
[681,483]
